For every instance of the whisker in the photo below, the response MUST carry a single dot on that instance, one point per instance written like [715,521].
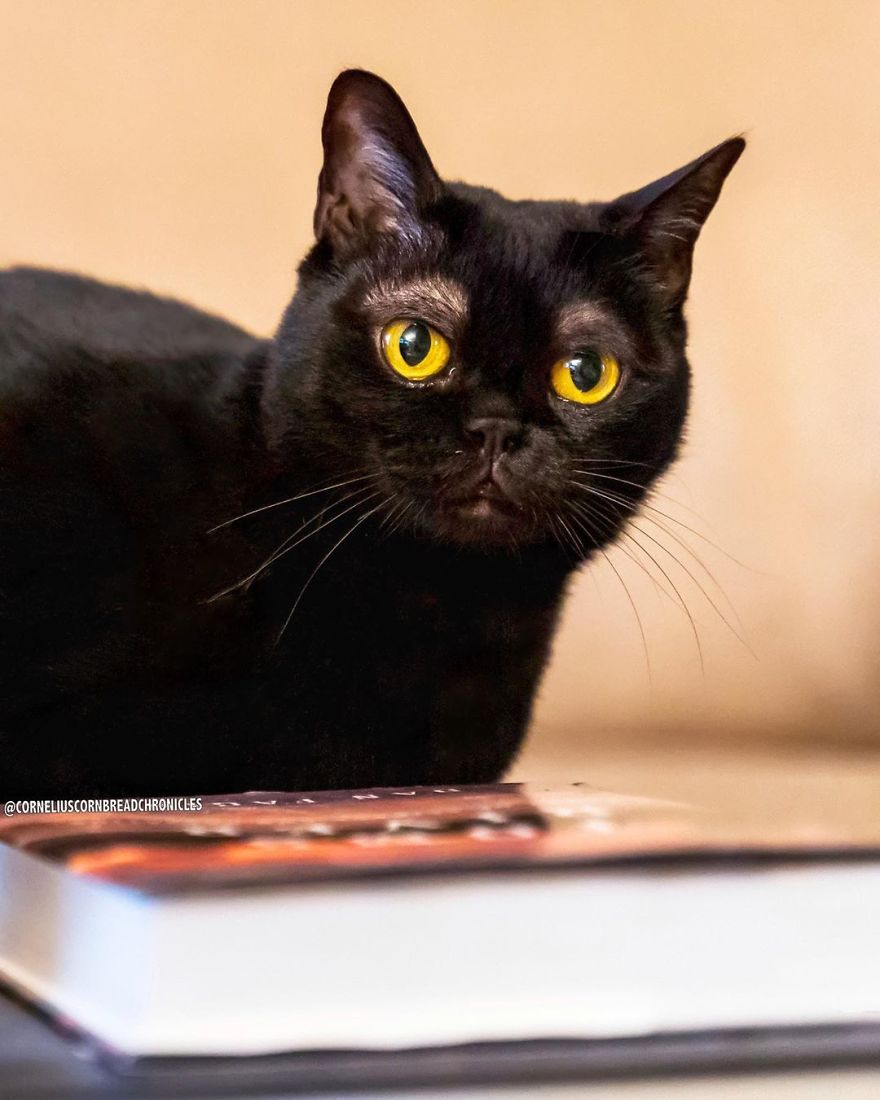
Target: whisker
[617,518]
[323,560]
[702,589]
[666,515]
[396,515]
[555,532]
[580,507]
[595,545]
[697,534]
[638,485]
[688,549]
[622,463]
[627,535]
[302,532]
[575,541]
[649,519]
[401,504]
[657,469]
[631,600]
[681,600]
[298,538]
[289,500]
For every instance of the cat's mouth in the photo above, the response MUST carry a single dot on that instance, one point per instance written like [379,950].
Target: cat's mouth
[488,500]
[485,513]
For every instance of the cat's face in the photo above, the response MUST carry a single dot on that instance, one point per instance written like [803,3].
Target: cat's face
[503,372]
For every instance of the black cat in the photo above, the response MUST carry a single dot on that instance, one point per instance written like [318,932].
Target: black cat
[335,558]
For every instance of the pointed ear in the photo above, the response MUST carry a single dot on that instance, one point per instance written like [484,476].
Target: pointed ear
[377,177]
[666,216]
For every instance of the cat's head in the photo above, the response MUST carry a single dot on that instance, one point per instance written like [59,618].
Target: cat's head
[503,372]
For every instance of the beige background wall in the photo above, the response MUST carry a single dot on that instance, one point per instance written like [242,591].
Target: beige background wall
[176,145]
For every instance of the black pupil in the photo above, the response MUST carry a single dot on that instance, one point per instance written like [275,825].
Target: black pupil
[586,369]
[415,343]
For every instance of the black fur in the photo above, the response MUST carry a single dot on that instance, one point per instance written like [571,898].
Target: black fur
[131,427]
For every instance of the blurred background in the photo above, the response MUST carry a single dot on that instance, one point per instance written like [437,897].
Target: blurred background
[175,145]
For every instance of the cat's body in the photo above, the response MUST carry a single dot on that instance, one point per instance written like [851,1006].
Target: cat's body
[116,466]
[401,633]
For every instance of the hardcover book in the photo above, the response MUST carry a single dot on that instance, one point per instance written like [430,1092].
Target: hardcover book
[435,919]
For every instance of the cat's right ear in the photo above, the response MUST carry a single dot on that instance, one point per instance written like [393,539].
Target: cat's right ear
[377,177]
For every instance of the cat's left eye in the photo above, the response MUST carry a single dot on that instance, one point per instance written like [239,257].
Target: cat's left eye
[414,350]
[587,377]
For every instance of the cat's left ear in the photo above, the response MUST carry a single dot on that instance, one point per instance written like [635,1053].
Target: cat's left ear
[377,177]
[666,216]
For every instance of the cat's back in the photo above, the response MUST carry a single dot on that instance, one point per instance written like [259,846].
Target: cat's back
[95,374]
[117,408]
[109,321]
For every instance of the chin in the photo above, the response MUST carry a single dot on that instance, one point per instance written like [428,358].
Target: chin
[487,523]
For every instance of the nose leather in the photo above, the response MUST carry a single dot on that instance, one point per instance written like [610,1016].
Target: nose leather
[493,435]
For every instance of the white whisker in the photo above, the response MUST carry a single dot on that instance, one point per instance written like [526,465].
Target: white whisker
[289,500]
[629,597]
[298,538]
[331,551]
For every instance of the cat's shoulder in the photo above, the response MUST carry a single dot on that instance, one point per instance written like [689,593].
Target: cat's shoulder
[111,321]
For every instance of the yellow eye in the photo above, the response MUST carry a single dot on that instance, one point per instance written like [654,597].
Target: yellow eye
[414,350]
[588,377]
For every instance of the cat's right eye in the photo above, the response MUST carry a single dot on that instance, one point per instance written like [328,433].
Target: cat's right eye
[414,350]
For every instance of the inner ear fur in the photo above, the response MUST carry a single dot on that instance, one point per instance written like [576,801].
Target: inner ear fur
[377,177]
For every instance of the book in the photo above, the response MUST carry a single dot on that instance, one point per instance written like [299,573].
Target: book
[431,919]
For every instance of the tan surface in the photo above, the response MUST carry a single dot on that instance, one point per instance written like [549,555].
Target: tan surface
[760,787]
[176,145]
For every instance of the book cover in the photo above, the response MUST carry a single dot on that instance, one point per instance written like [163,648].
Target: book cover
[262,838]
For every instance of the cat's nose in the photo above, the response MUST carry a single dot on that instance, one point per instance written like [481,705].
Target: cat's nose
[494,435]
